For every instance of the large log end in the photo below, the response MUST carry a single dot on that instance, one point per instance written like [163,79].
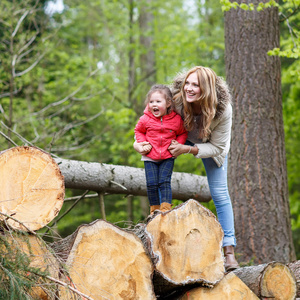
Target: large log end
[106,262]
[31,188]
[187,242]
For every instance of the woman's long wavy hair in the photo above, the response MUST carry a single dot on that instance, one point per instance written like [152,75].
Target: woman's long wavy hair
[208,100]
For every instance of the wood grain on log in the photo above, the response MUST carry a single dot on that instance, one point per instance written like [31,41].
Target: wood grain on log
[185,245]
[272,280]
[229,288]
[31,187]
[106,262]
[41,258]
[116,179]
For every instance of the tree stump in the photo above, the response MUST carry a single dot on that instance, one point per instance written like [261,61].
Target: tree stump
[40,257]
[272,280]
[229,288]
[31,188]
[106,262]
[185,245]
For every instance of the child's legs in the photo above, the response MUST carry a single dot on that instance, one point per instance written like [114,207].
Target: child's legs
[151,171]
[217,181]
[165,174]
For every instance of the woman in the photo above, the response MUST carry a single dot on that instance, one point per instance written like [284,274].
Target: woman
[204,102]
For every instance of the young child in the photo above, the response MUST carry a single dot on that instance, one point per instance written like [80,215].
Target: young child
[157,128]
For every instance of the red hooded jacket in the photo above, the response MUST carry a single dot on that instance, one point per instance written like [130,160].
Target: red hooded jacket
[160,132]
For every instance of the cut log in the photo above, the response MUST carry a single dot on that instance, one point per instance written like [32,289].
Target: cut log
[295,268]
[229,288]
[106,262]
[31,188]
[272,280]
[185,245]
[116,179]
[40,257]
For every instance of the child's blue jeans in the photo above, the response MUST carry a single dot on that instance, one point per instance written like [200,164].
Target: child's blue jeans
[158,178]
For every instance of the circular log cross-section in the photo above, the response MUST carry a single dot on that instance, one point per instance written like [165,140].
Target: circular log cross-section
[31,188]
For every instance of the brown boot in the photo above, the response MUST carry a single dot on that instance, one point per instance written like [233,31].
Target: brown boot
[230,261]
[165,206]
[153,208]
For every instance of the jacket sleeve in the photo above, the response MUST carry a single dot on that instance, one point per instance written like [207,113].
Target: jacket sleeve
[181,133]
[140,130]
[219,141]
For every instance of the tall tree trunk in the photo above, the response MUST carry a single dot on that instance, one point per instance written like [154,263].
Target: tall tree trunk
[257,156]
[147,56]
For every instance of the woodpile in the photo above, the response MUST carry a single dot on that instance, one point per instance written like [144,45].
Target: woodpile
[172,256]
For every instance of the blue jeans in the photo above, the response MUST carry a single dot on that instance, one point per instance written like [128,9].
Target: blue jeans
[217,181]
[158,179]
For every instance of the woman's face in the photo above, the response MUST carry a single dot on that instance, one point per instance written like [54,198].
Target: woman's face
[192,88]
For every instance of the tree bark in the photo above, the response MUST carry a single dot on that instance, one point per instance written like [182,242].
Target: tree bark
[257,168]
[106,262]
[31,188]
[128,180]
[185,245]
[295,268]
[230,287]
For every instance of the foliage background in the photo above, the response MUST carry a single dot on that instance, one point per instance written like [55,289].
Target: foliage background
[76,102]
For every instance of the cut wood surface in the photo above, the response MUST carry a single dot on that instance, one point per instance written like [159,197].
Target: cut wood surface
[229,288]
[106,262]
[41,258]
[186,247]
[117,179]
[272,280]
[31,187]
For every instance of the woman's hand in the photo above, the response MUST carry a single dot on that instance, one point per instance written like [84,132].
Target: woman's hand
[143,148]
[176,148]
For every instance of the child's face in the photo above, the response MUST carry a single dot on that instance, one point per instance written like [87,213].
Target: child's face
[158,104]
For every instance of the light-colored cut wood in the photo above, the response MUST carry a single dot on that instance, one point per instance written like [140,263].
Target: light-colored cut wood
[41,258]
[229,288]
[31,187]
[106,262]
[273,280]
[187,243]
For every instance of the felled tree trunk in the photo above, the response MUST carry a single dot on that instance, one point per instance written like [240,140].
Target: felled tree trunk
[229,288]
[31,188]
[295,268]
[185,245]
[272,280]
[40,258]
[106,262]
[116,179]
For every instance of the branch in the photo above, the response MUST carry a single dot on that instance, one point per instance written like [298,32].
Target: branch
[10,217]
[20,22]
[9,139]
[67,97]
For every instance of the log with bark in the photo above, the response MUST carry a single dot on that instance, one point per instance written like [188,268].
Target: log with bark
[295,268]
[31,188]
[116,179]
[229,288]
[185,245]
[106,262]
[272,280]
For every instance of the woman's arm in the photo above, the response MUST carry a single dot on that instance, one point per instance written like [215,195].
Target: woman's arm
[143,148]
[177,149]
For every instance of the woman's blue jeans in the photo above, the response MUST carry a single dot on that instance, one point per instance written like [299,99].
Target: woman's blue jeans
[217,181]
